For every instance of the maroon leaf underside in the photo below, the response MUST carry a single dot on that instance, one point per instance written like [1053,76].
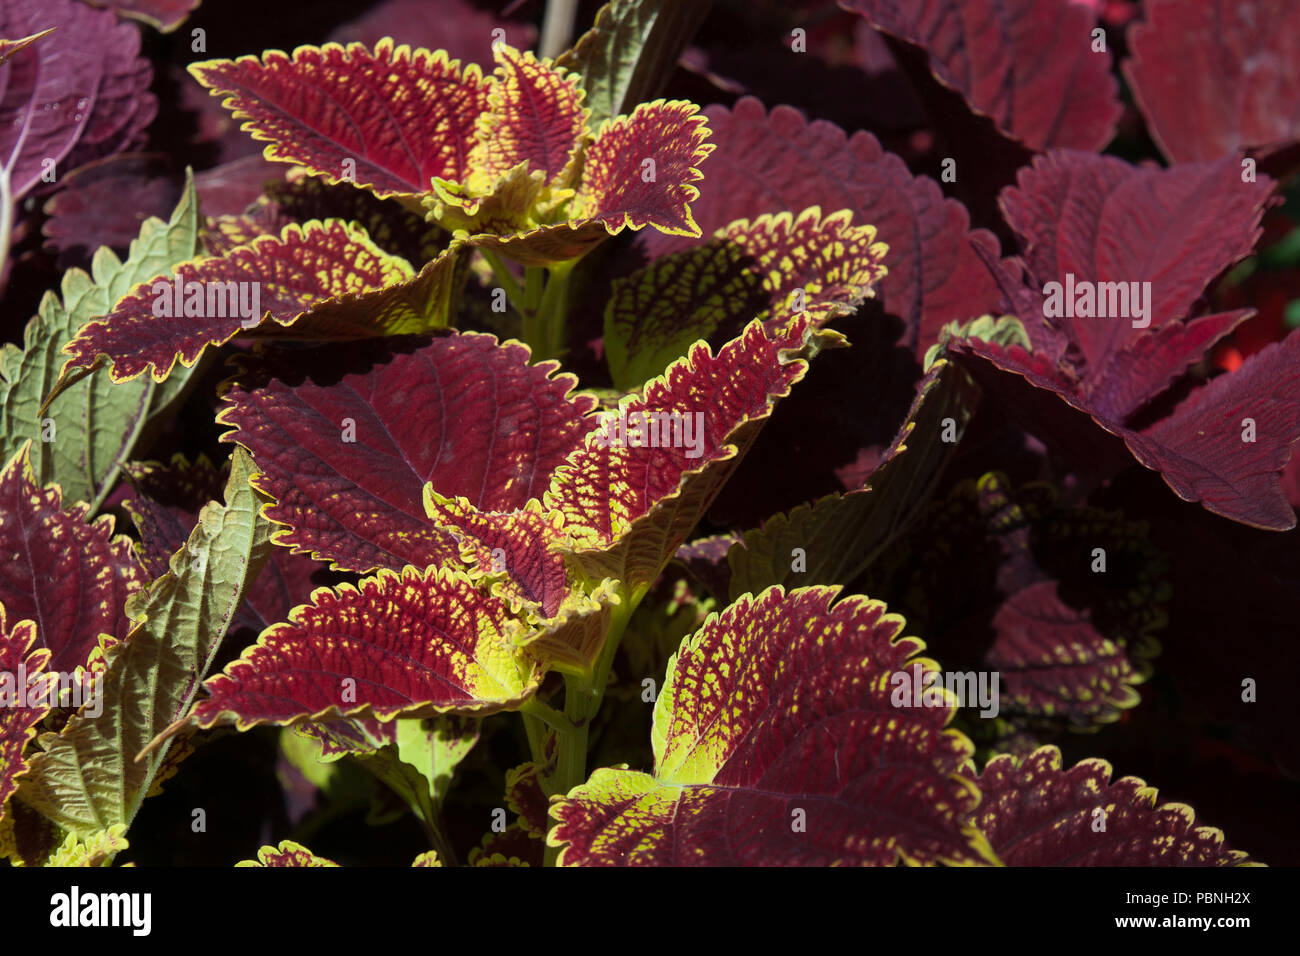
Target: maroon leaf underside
[1217,77]
[706,560]
[1201,449]
[233,186]
[73,96]
[1027,64]
[460,411]
[1101,220]
[779,161]
[105,203]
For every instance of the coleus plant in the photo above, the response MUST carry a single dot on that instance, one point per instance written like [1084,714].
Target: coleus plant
[436,518]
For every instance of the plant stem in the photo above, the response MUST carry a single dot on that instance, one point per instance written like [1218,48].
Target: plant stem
[503,275]
[582,699]
[555,307]
[534,284]
[546,714]
[536,732]
[557,27]
[6,222]
[545,308]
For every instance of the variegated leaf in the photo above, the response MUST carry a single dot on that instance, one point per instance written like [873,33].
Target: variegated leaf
[776,742]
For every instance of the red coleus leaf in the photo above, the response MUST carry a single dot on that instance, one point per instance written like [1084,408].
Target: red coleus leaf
[347,442]
[617,187]
[513,847]
[535,116]
[391,119]
[288,853]
[415,123]
[516,553]
[526,795]
[105,204]
[1225,446]
[73,96]
[1217,77]
[1084,220]
[781,162]
[512,543]
[628,494]
[362,736]
[776,742]
[70,576]
[318,281]
[639,171]
[22,666]
[1108,339]
[1029,65]
[772,269]
[1035,813]
[409,645]
[631,494]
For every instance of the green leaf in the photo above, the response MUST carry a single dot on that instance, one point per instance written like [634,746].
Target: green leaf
[88,431]
[88,777]
[94,850]
[630,51]
[435,746]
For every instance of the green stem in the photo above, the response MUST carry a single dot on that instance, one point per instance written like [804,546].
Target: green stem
[555,308]
[545,308]
[514,292]
[582,699]
[534,287]
[536,732]
[547,715]
[534,324]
